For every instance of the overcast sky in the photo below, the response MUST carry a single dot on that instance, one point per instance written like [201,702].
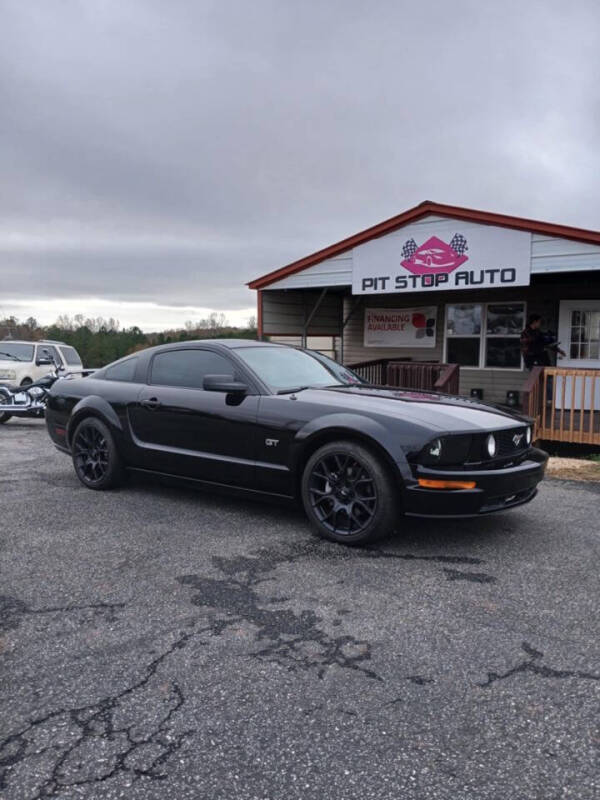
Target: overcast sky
[157,154]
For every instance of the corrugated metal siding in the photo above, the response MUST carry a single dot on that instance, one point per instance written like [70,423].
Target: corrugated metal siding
[332,272]
[548,254]
[284,313]
[551,254]
[540,298]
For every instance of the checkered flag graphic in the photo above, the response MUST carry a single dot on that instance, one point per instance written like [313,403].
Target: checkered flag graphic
[409,249]
[459,244]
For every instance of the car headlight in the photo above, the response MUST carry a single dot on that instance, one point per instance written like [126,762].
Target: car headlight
[528,435]
[8,374]
[435,449]
[446,450]
[491,445]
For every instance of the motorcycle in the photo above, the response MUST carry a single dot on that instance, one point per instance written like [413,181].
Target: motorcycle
[30,400]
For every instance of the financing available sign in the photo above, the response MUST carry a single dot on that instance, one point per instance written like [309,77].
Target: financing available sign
[442,255]
[400,327]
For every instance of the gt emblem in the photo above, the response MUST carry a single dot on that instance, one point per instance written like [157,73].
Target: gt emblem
[271,442]
[517,439]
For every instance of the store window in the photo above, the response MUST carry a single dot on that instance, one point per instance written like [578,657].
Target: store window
[485,334]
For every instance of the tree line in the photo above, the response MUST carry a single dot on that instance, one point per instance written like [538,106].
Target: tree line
[100,341]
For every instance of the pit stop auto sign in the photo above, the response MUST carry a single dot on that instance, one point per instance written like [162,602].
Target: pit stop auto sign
[442,256]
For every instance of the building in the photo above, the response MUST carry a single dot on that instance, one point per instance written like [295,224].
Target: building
[442,285]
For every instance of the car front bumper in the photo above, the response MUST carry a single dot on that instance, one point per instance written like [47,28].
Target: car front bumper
[495,489]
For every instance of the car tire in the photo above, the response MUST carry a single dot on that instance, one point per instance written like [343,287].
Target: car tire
[4,417]
[95,456]
[348,494]
[25,383]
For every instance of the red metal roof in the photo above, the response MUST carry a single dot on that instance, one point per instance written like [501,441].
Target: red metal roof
[427,207]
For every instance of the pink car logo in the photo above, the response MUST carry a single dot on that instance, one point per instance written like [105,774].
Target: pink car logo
[434,255]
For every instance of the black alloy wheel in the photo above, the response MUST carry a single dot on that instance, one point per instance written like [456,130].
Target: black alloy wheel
[95,457]
[4,417]
[348,494]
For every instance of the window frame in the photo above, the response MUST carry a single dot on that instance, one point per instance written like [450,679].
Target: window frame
[483,335]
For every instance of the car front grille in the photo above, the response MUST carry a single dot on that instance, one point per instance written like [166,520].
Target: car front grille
[512,441]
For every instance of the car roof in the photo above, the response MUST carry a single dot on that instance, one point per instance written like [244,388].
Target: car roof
[230,344]
[28,341]
[237,343]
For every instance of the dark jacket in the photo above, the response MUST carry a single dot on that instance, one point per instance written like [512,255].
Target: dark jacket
[533,348]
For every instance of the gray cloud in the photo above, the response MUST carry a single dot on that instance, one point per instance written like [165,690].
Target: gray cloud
[171,151]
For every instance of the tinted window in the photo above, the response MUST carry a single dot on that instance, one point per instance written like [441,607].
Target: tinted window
[71,356]
[124,371]
[188,367]
[16,352]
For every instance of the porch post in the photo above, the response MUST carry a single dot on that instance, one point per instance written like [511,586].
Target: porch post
[311,315]
[259,315]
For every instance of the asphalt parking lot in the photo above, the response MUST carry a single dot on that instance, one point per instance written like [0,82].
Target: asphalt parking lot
[164,643]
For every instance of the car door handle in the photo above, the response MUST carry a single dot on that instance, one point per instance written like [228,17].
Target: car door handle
[151,403]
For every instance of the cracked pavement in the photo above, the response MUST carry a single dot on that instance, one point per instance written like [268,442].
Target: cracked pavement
[162,643]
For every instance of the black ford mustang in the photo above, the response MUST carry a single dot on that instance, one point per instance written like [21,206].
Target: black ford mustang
[273,419]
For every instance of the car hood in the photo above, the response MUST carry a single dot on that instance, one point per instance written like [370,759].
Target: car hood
[443,412]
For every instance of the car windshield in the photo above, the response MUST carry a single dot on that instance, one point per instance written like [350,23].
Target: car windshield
[284,369]
[344,374]
[16,352]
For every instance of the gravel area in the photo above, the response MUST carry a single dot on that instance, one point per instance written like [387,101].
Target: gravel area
[579,469]
[165,644]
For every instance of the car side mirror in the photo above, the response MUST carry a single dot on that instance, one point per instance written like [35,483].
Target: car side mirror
[223,383]
[44,361]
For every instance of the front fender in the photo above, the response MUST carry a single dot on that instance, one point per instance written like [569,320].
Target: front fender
[99,407]
[365,427]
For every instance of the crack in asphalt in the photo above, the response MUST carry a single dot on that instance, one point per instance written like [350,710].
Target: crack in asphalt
[533,666]
[12,609]
[93,743]
[295,640]
[103,739]
[473,577]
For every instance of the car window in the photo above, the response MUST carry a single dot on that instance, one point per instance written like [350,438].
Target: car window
[188,367]
[123,371]
[16,352]
[71,356]
[48,351]
[285,368]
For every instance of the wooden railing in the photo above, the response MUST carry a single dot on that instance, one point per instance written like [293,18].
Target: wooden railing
[372,371]
[420,375]
[565,403]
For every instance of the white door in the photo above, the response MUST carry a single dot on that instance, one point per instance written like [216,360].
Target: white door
[579,334]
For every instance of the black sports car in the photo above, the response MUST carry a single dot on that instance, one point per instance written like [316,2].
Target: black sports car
[267,418]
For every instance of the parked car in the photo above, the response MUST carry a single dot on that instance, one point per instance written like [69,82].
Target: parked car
[23,363]
[259,417]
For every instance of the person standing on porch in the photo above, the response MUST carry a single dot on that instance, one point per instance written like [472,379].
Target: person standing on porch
[535,344]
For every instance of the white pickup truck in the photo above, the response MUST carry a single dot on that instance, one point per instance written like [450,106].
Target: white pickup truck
[22,363]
